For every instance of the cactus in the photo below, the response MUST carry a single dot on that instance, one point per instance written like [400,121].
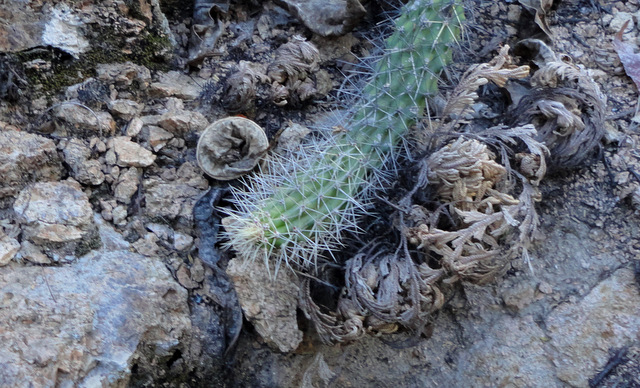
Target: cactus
[299,206]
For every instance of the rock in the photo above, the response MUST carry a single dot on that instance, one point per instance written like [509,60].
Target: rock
[40,24]
[88,324]
[62,30]
[83,169]
[54,212]
[32,253]
[326,17]
[174,197]
[181,241]
[119,214]
[162,231]
[180,122]
[158,137]
[127,185]
[84,120]
[511,354]
[183,275]
[134,127]
[8,248]
[147,246]
[582,333]
[270,304]
[131,154]
[25,158]
[124,74]
[519,295]
[126,109]
[177,84]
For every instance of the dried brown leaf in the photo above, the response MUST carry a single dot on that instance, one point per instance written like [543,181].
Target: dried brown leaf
[629,58]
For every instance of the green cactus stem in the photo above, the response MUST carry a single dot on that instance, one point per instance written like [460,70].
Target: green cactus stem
[300,208]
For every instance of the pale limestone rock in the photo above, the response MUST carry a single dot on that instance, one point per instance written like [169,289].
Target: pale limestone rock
[127,185]
[86,324]
[134,127]
[172,197]
[158,137]
[83,169]
[54,211]
[181,241]
[62,30]
[8,248]
[582,333]
[178,85]
[124,74]
[179,122]
[119,214]
[270,304]
[126,109]
[132,154]
[25,158]
[84,119]
[32,253]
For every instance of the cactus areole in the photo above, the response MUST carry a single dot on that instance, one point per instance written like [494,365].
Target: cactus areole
[304,213]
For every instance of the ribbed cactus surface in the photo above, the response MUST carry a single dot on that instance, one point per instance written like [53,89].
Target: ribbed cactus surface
[297,208]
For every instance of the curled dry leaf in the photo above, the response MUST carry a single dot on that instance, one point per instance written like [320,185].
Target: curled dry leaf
[231,147]
[629,58]
[541,8]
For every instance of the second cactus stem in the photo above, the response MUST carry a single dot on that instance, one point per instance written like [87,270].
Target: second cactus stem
[295,218]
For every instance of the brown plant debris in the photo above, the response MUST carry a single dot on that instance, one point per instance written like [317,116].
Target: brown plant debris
[565,104]
[472,205]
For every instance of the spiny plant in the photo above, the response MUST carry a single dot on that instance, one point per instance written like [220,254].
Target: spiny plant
[299,205]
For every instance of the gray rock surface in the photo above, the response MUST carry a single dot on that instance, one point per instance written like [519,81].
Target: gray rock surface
[177,84]
[54,212]
[25,158]
[174,197]
[131,154]
[583,332]
[83,324]
[268,302]
[8,248]
[328,17]
[83,120]
[84,169]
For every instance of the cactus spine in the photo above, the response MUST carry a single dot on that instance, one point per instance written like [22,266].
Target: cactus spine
[293,211]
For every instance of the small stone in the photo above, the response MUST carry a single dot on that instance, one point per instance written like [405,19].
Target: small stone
[131,154]
[33,254]
[127,185]
[124,74]
[162,231]
[184,277]
[518,296]
[545,288]
[181,241]
[619,20]
[275,319]
[84,119]
[158,137]
[134,127]
[85,170]
[182,121]
[54,211]
[119,215]
[176,84]
[25,158]
[126,109]
[326,17]
[147,246]
[8,248]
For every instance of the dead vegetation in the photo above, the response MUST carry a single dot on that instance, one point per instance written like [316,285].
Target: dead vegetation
[471,206]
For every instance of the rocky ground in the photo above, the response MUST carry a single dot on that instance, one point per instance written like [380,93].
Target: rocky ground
[108,275]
